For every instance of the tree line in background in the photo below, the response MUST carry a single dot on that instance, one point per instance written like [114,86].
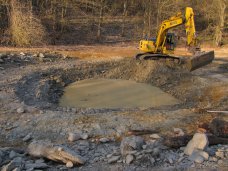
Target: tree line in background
[39,22]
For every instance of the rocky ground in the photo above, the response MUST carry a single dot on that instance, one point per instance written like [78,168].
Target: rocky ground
[32,83]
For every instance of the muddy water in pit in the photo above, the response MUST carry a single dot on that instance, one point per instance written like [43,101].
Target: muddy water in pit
[114,93]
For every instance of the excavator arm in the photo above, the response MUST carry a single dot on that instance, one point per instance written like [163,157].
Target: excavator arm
[174,22]
[162,46]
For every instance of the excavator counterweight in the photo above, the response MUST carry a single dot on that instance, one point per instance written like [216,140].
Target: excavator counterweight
[163,46]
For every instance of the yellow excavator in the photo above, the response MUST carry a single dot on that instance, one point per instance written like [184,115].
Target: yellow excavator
[163,46]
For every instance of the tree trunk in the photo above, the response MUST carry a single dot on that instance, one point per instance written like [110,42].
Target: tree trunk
[124,17]
[221,22]
[100,20]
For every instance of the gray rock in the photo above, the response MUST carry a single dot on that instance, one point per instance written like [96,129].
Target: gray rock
[73,137]
[152,160]
[131,143]
[199,141]
[27,137]
[36,166]
[20,110]
[113,159]
[12,154]
[84,136]
[104,140]
[39,161]
[129,159]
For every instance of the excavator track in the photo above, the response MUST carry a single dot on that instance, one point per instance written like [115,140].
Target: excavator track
[161,57]
[199,60]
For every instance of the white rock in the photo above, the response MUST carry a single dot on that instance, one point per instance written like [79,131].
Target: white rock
[41,55]
[20,110]
[129,159]
[73,137]
[84,136]
[152,160]
[22,54]
[199,141]
[69,164]
[155,136]
[104,140]
[27,137]
[113,159]
[109,155]
[220,154]
[178,131]
[199,156]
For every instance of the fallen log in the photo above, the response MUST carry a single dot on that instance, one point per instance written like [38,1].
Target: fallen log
[142,132]
[181,141]
[53,152]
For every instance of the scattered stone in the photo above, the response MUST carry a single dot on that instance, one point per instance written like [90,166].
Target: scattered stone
[20,110]
[27,137]
[73,137]
[69,164]
[131,143]
[178,132]
[152,160]
[199,156]
[113,159]
[144,147]
[220,162]
[22,54]
[36,166]
[109,155]
[220,154]
[10,166]
[129,159]
[180,159]
[170,160]
[39,161]
[104,140]
[84,136]
[41,55]
[13,154]
[155,136]
[199,141]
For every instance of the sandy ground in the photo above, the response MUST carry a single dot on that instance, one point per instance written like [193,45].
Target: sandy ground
[36,85]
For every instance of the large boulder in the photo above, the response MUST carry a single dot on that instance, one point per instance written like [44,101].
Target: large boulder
[199,141]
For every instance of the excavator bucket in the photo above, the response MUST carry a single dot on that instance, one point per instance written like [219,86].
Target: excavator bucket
[199,60]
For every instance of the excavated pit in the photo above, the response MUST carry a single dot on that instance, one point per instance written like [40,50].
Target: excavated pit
[44,89]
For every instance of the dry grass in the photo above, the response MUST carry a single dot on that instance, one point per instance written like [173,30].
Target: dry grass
[25,28]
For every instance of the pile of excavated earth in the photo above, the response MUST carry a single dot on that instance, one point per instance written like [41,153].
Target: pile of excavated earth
[38,134]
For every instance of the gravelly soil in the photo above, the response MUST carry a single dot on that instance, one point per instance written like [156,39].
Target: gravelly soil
[37,85]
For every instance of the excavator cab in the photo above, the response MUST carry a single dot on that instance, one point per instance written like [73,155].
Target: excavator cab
[170,41]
